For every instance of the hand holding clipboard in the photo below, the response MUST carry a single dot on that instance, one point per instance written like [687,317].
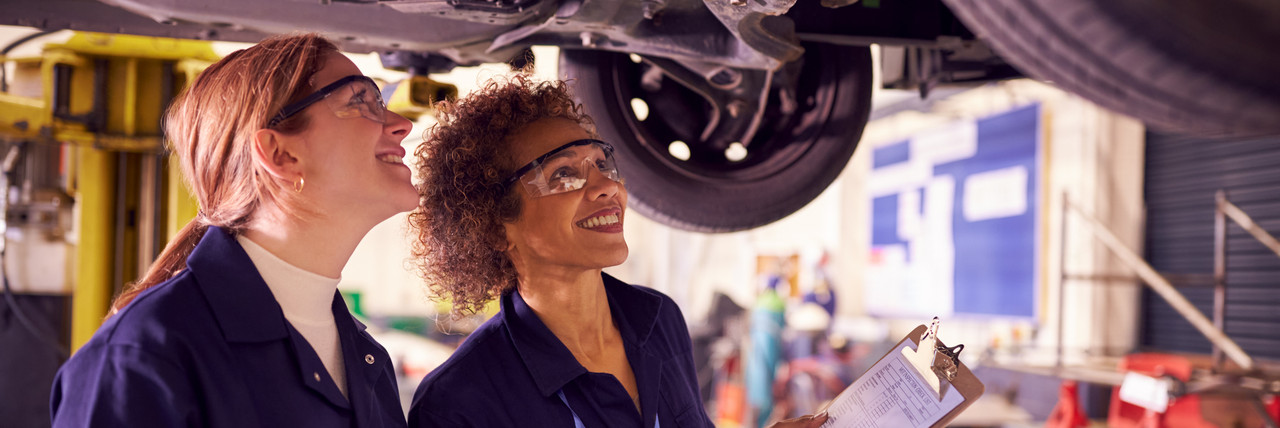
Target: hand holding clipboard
[920,383]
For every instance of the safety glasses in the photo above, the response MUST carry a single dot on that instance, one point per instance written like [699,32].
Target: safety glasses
[566,168]
[348,97]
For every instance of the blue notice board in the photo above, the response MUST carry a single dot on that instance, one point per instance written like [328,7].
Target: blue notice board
[955,219]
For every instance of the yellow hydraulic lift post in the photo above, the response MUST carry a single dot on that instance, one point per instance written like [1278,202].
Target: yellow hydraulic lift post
[103,97]
[93,191]
[182,207]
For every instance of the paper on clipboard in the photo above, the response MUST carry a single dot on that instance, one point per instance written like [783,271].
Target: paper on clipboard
[892,394]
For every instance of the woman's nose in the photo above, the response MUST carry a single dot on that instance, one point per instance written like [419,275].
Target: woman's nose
[397,125]
[601,186]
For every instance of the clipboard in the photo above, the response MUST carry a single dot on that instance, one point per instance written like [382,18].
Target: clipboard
[908,388]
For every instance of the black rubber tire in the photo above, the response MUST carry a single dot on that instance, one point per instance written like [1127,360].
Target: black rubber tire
[791,161]
[1204,68]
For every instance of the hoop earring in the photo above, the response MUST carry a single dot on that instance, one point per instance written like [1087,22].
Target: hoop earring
[298,185]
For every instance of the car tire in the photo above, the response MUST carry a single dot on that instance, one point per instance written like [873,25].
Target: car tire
[792,159]
[1187,66]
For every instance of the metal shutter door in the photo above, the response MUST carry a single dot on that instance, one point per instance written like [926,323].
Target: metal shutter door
[1182,175]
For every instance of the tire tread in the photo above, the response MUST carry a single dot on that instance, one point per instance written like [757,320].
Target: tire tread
[1046,39]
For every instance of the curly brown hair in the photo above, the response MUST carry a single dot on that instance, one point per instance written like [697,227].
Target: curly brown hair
[458,240]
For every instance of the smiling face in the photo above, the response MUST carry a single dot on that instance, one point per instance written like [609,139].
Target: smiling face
[578,229]
[352,164]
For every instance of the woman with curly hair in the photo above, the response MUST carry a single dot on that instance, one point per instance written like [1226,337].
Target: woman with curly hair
[293,158]
[524,203]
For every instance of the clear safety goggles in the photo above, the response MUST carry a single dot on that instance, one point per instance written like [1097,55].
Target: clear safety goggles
[566,168]
[348,97]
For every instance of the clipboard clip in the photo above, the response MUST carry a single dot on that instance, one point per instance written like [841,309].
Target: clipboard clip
[934,361]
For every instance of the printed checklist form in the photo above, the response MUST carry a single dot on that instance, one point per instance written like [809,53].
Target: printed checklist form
[892,394]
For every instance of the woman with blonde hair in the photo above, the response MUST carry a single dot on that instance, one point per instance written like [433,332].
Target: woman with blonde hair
[293,158]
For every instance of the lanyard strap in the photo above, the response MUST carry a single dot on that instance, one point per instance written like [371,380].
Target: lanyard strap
[577,422]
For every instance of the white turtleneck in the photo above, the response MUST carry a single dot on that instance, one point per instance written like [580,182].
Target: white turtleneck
[307,301]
